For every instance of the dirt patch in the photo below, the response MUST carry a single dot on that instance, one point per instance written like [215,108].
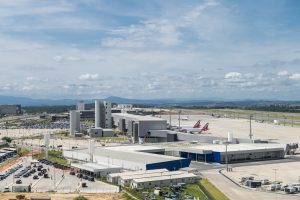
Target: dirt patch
[116,196]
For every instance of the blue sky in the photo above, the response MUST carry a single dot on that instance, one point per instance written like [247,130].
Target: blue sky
[150,49]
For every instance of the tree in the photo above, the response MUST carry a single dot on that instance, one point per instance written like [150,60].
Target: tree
[80,197]
[7,139]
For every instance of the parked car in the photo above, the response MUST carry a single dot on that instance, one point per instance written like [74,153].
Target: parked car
[83,185]
[18,181]
[91,178]
[40,174]
[35,177]
[46,176]
[6,189]
[72,173]
[85,177]
[79,175]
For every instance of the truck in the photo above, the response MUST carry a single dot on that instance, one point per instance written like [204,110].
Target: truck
[21,188]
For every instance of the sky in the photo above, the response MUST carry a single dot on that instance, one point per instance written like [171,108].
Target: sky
[196,49]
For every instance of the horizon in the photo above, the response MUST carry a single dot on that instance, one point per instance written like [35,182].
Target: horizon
[196,49]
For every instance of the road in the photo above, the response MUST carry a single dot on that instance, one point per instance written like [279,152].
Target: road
[235,192]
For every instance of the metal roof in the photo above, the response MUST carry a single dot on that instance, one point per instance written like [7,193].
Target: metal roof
[94,167]
[148,175]
[131,173]
[137,117]
[138,157]
[234,147]
[160,178]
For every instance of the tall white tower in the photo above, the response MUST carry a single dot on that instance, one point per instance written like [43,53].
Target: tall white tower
[80,106]
[91,149]
[102,114]
[108,122]
[46,142]
[74,121]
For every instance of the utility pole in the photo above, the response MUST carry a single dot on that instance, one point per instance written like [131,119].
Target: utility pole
[226,154]
[250,134]
[179,117]
[275,174]
[170,117]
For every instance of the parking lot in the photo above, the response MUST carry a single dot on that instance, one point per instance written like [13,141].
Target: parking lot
[58,180]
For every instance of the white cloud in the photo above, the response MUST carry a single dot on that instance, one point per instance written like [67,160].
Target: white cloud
[32,78]
[295,77]
[233,75]
[88,76]
[283,73]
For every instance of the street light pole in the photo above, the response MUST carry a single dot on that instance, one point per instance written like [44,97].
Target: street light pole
[250,134]
[179,117]
[226,154]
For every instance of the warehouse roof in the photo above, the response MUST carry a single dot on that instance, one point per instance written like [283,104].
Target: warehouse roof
[139,148]
[130,173]
[94,167]
[138,157]
[137,117]
[160,178]
[235,147]
[148,175]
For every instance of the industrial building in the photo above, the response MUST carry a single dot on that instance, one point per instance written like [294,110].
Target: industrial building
[10,109]
[138,126]
[103,114]
[96,170]
[131,160]
[101,132]
[126,181]
[114,177]
[245,152]
[161,181]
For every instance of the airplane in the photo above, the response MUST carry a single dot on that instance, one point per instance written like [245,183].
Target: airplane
[205,128]
[187,128]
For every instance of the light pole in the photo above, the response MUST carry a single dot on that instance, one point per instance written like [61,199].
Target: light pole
[275,174]
[250,134]
[226,154]
[170,117]
[179,113]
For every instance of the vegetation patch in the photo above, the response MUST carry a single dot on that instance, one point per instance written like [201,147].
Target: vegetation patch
[53,156]
[211,191]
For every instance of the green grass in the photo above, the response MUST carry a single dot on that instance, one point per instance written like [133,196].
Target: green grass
[194,190]
[211,191]
[53,156]
[23,151]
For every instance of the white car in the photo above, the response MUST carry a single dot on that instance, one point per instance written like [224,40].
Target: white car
[6,189]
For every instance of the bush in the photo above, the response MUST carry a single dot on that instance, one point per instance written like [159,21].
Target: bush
[80,197]
[7,139]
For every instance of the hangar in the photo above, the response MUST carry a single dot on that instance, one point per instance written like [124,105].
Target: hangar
[235,152]
[131,159]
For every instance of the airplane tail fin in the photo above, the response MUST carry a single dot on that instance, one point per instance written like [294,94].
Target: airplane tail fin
[197,125]
[205,127]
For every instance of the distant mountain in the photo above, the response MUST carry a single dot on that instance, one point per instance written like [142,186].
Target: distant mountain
[119,100]
[35,102]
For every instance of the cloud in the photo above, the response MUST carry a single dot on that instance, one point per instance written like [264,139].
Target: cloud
[88,76]
[295,77]
[283,73]
[233,75]
[32,78]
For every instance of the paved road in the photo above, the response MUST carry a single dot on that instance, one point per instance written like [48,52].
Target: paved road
[234,192]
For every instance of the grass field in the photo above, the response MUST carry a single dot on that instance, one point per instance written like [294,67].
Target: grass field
[211,191]
[53,156]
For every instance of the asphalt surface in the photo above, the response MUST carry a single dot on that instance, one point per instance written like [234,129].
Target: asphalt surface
[59,181]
